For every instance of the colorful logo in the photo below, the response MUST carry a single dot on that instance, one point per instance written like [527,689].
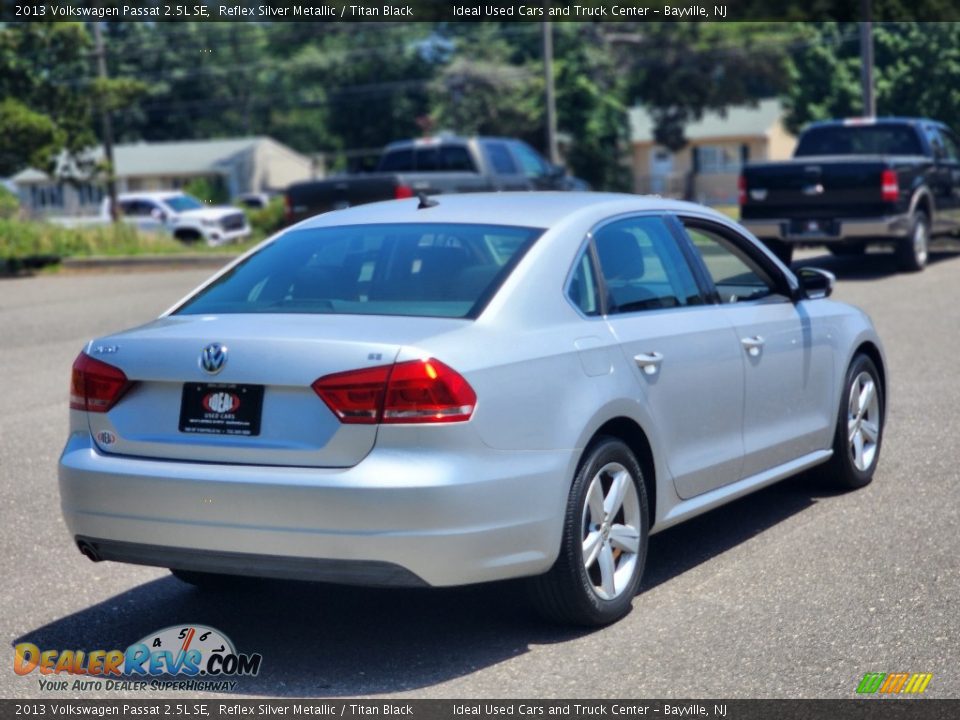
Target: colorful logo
[894,683]
[221,402]
[191,650]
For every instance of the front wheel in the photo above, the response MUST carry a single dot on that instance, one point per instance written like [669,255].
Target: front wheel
[604,545]
[859,432]
[912,250]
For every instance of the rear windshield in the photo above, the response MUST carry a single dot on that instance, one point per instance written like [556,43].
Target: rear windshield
[439,158]
[860,140]
[429,270]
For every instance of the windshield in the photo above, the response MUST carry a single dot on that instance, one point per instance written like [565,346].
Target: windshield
[860,140]
[181,203]
[428,270]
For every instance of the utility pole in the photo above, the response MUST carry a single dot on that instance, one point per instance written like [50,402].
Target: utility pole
[866,59]
[552,152]
[107,123]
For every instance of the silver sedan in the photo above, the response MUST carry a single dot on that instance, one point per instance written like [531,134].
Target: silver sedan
[466,389]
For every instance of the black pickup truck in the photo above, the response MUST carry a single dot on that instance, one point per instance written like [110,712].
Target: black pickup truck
[857,182]
[432,166]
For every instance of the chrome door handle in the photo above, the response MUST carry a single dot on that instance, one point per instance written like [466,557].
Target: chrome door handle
[753,345]
[648,362]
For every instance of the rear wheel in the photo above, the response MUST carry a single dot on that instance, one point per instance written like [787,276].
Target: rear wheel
[912,250]
[604,543]
[783,250]
[859,433]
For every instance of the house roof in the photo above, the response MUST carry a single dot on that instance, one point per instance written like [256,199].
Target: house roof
[189,157]
[739,121]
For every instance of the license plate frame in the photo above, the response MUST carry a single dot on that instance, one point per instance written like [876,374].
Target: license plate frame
[223,409]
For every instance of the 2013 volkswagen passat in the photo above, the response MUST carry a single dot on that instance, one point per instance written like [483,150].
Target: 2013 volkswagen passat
[477,387]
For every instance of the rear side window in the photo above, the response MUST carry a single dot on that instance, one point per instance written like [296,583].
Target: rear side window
[859,140]
[429,270]
[433,158]
[643,267]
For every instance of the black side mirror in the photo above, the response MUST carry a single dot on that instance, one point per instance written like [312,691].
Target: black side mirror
[816,283]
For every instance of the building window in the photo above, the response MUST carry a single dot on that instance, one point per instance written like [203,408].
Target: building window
[46,196]
[90,194]
[718,159]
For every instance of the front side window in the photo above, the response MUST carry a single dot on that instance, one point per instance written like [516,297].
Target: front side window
[737,277]
[533,165]
[500,159]
[422,269]
[643,268]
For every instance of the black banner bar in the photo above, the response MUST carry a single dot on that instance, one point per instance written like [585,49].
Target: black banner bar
[469,10]
[880,708]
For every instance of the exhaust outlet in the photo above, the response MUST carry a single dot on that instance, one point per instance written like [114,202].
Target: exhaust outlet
[88,550]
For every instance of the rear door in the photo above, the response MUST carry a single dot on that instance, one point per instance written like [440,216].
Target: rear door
[684,355]
[789,383]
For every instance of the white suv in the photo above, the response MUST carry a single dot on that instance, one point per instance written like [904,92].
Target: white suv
[188,219]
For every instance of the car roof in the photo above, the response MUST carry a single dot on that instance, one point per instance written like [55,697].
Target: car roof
[158,195]
[520,209]
[867,121]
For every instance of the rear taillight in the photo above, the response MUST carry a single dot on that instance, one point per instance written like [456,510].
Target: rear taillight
[416,391]
[742,191]
[402,191]
[889,186]
[94,385]
[287,208]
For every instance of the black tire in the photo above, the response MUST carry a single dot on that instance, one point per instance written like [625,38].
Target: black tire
[210,581]
[846,249]
[566,594]
[841,471]
[188,237]
[783,250]
[912,251]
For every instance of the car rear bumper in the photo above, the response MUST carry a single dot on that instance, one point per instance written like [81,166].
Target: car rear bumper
[892,227]
[399,517]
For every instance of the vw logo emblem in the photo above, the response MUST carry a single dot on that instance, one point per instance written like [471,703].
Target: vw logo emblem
[213,358]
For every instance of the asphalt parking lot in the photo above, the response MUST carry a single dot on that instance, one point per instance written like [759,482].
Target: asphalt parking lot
[792,592]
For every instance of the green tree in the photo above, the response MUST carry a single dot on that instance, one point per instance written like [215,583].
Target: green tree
[916,72]
[43,70]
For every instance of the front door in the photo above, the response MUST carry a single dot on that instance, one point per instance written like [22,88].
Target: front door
[684,355]
[789,384]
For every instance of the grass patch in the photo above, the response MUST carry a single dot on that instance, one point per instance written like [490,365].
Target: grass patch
[33,244]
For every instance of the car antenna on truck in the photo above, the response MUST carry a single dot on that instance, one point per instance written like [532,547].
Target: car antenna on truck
[425,201]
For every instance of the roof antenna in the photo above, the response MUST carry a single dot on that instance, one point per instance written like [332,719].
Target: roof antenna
[425,202]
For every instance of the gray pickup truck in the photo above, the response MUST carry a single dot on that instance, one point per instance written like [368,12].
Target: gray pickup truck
[433,166]
[856,182]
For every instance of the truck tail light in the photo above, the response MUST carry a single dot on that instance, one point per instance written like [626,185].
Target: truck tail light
[402,191]
[741,191]
[416,391]
[96,386]
[287,207]
[889,186]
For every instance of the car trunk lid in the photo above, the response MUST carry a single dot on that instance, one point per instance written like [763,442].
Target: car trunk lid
[259,408]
